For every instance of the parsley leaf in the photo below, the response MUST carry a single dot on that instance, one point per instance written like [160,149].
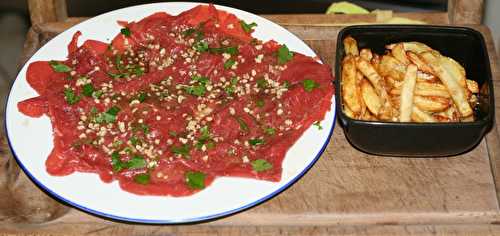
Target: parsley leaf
[109,116]
[142,96]
[70,97]
[243,125]
[125,31]
[88,90]
[247,27]
[134,140]
[197,90]
[270,130]
[136,162]
[201,46]
[195,180]
[262,83]
[59,67]
[255,141]
[309,85]
[142,178]
[188,32]
[116,163]
[260,165]
[181,150]
[97,94]
[284,55]
[228,50]
[229,64]
[259,103]
[318,125]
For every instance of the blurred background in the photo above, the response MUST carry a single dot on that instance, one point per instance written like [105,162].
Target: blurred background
[14,19]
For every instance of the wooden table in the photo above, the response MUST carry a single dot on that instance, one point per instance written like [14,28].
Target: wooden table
[346,192]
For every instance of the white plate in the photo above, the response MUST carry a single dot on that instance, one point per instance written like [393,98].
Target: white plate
[31,140]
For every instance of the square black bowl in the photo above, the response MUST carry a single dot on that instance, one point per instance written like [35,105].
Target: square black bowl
[412,139]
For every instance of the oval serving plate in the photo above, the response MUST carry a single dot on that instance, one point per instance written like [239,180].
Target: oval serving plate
[31,140]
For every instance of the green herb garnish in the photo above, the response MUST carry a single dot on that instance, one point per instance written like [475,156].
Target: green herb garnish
[59,67]
[229,63]
[228,50]
[262,83]
[97,94]
[270,130]
[318,125]
[181,150]
[70,96]
[136,162]
[195,180]
[116,163]
[142,96]
[247,27]
[259,103]
[260,165]
[243,125]
[125,31]
[88,90]
[255,141]
[284,55]
[309,85]
[142,178]
[201,46]
[197,90]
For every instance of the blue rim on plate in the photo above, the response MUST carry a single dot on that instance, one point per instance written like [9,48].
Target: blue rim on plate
[180,221]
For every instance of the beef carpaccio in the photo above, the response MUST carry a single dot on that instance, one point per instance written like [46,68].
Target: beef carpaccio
[175,101]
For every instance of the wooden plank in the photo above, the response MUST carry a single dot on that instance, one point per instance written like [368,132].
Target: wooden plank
[465,11]
[43,11]
[346,187]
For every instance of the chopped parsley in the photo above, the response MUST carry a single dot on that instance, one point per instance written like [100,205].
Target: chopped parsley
[318,125]
[134,140]
[144,128]
[260,165]
[125,31]
[247,27]
[262,83]
[172,133]
[255,141]
[109,116]
[205,138]
[259,103]
[70,96]
[88,90]
[270,130]
[284,55]
[309,85]
[142,178]
[116,163]
[196,90]
[142,96]
[229,63]
[201,46]
[243,125]
[182,150]
[189,32]
[230,89]
[195,179]
[136,162]
[97,94]
[228,50]
[59,67]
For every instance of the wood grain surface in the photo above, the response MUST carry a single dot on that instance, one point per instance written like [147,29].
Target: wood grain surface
[346,192]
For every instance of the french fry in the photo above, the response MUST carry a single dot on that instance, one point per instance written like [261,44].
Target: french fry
[425,77]
[349,88]
[366,54]
[359,79]
[370,97]
[348,112]
[472,86]
[399,53]
[431,104]
[395,84]
[415,47]
[457,92]
[415,59]
[406,98]
[389,66]
[455,70]
[351,46]
[418,115]
[426,89]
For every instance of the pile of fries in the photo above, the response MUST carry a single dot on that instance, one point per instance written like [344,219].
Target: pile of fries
[410,83]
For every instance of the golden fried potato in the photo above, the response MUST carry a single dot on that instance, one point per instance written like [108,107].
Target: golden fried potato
[366,54]
[370,97]
[349,86]
[472,86]
[415,47]
[418,115]
[458,93]
[399,53]
[406,98]
[389,66]
[431,104]
[415,59]
[351,46]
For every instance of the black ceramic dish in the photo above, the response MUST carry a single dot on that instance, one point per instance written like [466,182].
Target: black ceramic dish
[411,139]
